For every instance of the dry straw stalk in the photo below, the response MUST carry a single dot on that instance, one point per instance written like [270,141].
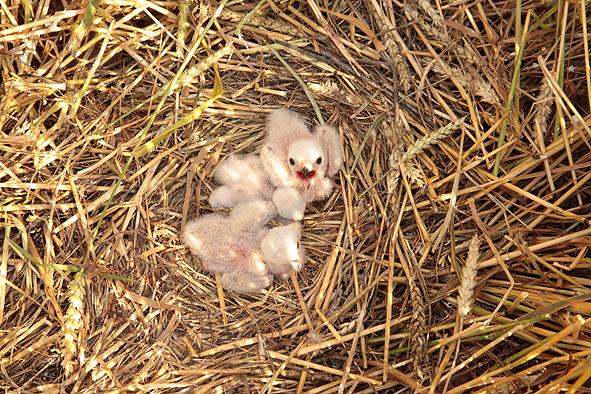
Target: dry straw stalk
[115,114]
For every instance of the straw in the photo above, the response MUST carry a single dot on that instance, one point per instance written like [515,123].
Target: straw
[454,255]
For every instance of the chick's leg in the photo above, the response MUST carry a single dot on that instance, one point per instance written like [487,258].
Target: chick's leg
[224,196]
[231,170]
[289,203]
[250,216]
[245,282]
[281,270]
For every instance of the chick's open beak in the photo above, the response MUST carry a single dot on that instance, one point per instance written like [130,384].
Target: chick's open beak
[305,174]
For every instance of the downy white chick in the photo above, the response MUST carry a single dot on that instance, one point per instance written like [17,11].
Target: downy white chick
[233,246]
[230,245]
[295,158]
[242,178]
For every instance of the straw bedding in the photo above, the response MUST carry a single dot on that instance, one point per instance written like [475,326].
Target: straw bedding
[454,255]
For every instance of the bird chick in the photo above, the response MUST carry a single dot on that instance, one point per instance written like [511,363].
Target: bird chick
[294,157]
[282,250]
[242,178]
[230,245]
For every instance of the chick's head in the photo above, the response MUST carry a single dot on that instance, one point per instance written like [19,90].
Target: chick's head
[282,250]
[305,158]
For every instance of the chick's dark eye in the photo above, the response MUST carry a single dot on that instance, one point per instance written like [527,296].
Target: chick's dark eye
[292,162]
[319,160]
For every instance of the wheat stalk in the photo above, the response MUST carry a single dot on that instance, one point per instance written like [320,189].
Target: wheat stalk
[476,84]
[330,89]
[468,278]
[413,16]
[541,115]
[436,30]
[436,18]
[414,174]
[418,327]
[73,321]
[257,20]
[430,139]
[193,73]
[182,25]
[394,144]
[544,108]
[419,324]
[392,47]
[465,52]
[393,176]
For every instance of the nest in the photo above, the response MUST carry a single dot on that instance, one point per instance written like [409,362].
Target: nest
[453,257]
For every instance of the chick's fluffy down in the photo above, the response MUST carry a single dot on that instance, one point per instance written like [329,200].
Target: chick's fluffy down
[221,246]
[282,249]
[241,178]
[230,245]
[291,148]
[283,128]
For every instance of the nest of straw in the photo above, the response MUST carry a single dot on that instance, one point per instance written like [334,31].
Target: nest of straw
[453,258]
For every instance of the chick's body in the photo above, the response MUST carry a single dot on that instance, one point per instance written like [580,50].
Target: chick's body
[230,245]
[221,246]
[240,248]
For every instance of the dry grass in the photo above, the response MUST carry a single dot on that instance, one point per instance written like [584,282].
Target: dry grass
[114,115]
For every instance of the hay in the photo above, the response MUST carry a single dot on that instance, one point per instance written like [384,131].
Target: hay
[460,118]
